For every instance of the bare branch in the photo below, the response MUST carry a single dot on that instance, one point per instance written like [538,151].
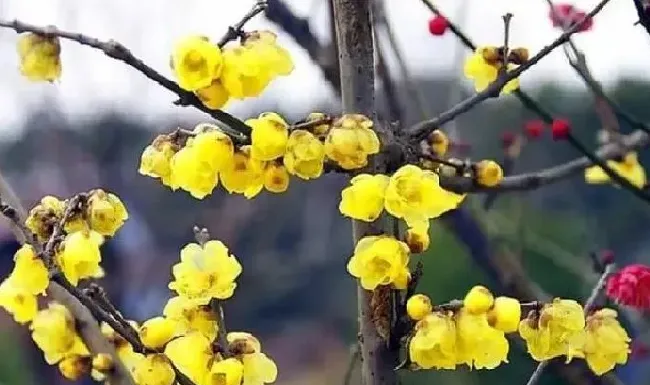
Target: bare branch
[644,18]
[529,181]
[236,30]
[117,51]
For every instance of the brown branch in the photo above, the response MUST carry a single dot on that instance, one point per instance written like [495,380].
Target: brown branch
[236,30]
[589,306]
[117,51]
[420,130]
[644,18]
[88,327]
[529,181]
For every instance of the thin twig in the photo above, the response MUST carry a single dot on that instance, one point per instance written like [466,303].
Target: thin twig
[236,30]
[644,18]
[111,48]
[589,306]
[506,40]
[529,181]
[355,354]
[422,129]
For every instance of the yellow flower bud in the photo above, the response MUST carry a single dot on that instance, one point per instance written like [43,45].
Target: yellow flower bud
[157,331]
[488,173]
[103,362]
[418,306]
[276,178]
[269,136]
[226,372]
[74,367]
[439,142]
[417,237]
[478,300]
[505,314]
[39,57]
[106,212]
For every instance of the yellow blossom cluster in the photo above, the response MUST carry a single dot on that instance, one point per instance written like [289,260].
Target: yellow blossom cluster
[560,328]
[485,64]
[473,332]
[217,74]
[39,57]
[628,167]
[411,194]
[197,161]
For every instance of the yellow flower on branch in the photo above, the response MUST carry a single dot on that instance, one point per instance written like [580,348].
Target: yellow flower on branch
[192,355]
[483,68]
[80,256]
[364,198]
[39,57]
[157,331]
[53,331]
[418,306]
[606,343]
[304,155]
[351,140]
[269,136]
[417,237]
[380,260]
[74,367]
[44,216]
[190,317]
[214,96]
[479,345]
[505,314]
[196,62]
[226,372]
[106,212]
[153,369]
[434,342]
[415,195]
[18,301]
[29,271]
[629,168]
[276,178]
[205,272]
[156,160]
[245,175]
[258,368]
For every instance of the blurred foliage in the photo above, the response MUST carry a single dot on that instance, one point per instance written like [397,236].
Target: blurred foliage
[294,247]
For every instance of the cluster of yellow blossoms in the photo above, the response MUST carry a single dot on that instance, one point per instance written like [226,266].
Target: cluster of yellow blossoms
[474,333]
[39,57]
[485,65]
[196,161]
[215,75]
[628,167]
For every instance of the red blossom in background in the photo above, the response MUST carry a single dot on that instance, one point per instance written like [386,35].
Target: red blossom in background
[507,139]
[534,128]
[630,286]
[638,350]
[560,129]
[438,25]
[566,15]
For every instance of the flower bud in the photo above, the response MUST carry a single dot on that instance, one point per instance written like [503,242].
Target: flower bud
[505,314]
[488,173]
[418,307]
[478,300]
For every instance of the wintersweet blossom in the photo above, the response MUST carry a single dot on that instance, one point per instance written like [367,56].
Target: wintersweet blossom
[258,368]
[380,260]
[39,57]
[483,68]
[628,167]
[606,343]
[351,140]
[364,198]
[434,343]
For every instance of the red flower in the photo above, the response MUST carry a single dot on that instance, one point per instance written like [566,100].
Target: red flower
[560,129]
[631,286]
[566,15]
[534,128]
[507,139]
[438,25]
[638,350]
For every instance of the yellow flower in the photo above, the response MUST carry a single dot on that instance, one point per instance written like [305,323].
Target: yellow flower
[488,173]
[153,369]
[189,316]
[106,212]
[192,174]
[351,140]
[439,142]
[44,216]
[18,301]
[304,155]
[415,195]
[74,367]
[557,330]
[276,178]
[53,331]
[606,343]
[478,300]
[274,58]
[418,306]
[226,372]
[417,237]
[629,168]
[196,62]
[320,130]
[505,314]
[80,256]
[29,273]
[156,160]
[214,96]
[484,72]
[434,342]
[380,260]
[39,57]
[364,198]
[192,354]
[245,175]
[157,331]
[259,369]
[103,362]
[205,272]
[269,136]
[479,345]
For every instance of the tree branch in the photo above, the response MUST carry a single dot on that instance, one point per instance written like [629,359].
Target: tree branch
[529,181]
[113,49]
[644,18]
